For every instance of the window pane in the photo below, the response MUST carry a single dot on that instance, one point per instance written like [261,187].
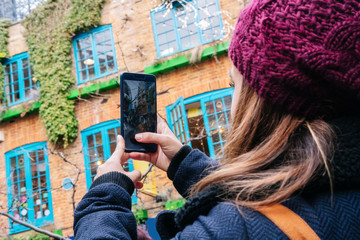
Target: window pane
[34,171]
[25,63]
[103,68]
[217,148]
[16,96]
[21,174]
[112,136]
[110,56]
[221,119]
[93,168]
[212,121]
[224,133]
[100,153]
[15,77]
[91,72]
[215,136]
[37,210]
[83,75]
[14,174]
[21,160]
[33,157]
[14,67]
[40,155]
[83,43]
[7,79]
[27,82]
[35,183]
[81,57]
[43,182]
[22,187]
[112,147]
[13,162]
[92,156]
[7,69]
[111,66]
[209,107]
[162,39]
[98,138]
[101,59]
[42,168]
[45,210]
[227,101]
[26,72]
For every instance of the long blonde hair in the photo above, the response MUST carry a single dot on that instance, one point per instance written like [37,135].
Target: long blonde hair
[269,154]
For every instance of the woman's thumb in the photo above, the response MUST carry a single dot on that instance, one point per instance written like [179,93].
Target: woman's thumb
[135,175]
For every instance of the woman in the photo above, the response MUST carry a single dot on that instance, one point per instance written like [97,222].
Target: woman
[294,140]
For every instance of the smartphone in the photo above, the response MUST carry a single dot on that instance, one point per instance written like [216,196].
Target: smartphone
[138,109]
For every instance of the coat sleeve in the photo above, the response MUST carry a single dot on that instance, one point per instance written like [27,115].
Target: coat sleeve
[105,210]
[188,169]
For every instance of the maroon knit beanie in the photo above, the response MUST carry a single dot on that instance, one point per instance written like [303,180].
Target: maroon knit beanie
[301,55]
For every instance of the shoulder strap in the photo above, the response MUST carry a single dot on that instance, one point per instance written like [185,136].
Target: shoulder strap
[289,222]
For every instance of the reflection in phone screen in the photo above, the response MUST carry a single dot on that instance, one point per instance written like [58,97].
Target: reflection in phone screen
[139,109]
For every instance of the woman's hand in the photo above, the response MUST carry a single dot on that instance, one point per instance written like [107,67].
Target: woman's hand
[168,146]
[114,163]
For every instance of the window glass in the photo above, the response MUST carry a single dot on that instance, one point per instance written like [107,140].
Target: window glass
[29,196]
[184,25]
[19,84]
[203,121]
[95,54]
[99,142]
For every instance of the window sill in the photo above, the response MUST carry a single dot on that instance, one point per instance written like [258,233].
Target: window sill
[81,92]
[184,60]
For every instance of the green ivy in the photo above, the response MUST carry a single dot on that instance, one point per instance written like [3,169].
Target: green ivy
[4,39]
[50,29]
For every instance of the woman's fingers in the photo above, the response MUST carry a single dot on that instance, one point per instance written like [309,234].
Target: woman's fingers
[148,137]
[141,156]
[135,177]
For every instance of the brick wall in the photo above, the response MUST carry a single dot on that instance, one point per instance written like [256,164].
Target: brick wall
[132,29]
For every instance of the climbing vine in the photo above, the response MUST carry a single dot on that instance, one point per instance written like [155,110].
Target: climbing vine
[50,29]
[4,38]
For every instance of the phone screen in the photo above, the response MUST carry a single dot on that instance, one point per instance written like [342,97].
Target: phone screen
[139,112]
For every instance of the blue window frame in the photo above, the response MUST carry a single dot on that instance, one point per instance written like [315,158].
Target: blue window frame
[99,142]
[94,54]
[185,25]
[202,120]
[29,188]
[18,81]
[176,114]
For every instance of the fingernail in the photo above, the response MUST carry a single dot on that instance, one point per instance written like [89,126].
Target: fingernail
[138,136]
[118,138]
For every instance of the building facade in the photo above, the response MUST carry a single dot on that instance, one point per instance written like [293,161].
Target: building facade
[184,43]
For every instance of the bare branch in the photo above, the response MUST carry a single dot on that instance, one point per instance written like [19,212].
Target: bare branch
[56,236]
[61,154]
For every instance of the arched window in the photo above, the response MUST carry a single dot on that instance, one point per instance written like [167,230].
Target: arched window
[202,121]
[29,189]
[99,142]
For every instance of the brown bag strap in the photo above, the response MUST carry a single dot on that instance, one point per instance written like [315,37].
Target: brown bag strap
[289,222]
